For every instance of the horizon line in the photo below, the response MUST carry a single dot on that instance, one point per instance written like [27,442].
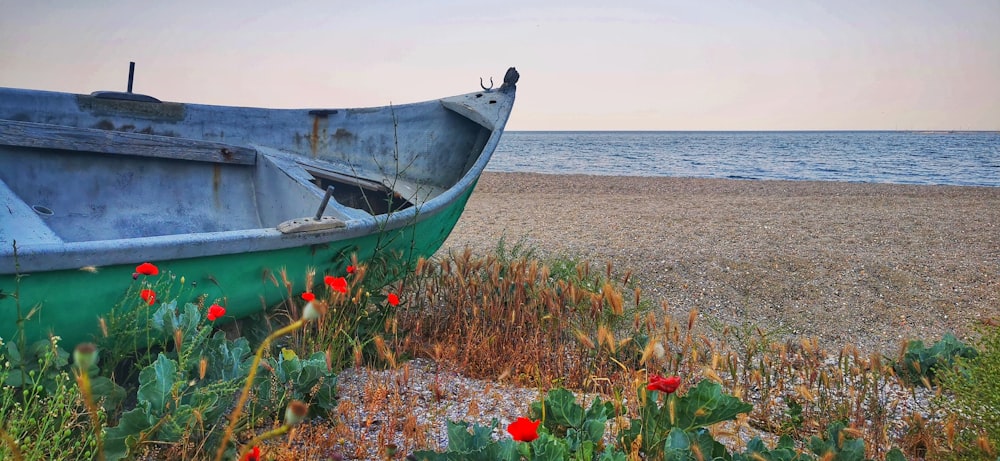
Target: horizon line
[920,131]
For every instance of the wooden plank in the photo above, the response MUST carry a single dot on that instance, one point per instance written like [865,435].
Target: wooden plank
[45,136]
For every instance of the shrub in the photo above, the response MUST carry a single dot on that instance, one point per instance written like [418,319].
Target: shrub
[975,388]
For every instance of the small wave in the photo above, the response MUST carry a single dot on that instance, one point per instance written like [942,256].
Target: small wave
[856,156]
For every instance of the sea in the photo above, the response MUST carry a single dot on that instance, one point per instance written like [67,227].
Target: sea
[963,158]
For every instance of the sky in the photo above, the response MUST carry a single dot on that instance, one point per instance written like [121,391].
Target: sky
[584,65]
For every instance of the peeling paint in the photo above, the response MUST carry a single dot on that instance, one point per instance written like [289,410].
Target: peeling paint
[167,111]
[342,135]
[216,182]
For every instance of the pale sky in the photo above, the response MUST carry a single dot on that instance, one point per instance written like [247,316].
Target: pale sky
[585,65]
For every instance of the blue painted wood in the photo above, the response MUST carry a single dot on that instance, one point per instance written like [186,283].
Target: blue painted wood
[126,181]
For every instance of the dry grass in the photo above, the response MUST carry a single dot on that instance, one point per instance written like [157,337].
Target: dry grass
[514,321]
[510,322]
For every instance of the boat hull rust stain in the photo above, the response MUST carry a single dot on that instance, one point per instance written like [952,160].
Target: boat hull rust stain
[314,135]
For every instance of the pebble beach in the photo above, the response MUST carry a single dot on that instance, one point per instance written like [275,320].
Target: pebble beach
[870,265]
[848,263]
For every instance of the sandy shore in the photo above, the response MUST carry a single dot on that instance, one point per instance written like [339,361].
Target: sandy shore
[867,264]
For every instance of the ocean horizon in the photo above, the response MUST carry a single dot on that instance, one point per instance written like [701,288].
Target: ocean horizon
[940,157]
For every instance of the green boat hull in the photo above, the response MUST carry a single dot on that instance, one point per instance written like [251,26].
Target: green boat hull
[71,303]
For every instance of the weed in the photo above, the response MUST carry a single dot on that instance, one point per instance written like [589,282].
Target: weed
[920,365]
[42,415]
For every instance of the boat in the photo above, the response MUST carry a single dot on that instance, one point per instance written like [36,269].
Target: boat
[226,202]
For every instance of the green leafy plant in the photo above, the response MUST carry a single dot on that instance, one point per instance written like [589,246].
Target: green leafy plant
[835,446]
[563,417]
[286,377]
[40,364]
[839,445]
[178,397]
[135,330]
[566,432]
[665,428]
[793,417]
[184,393]
[783,451]
[920,365]
[44,366]
[472,442]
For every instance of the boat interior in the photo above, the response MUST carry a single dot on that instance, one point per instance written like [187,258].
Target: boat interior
[59,195]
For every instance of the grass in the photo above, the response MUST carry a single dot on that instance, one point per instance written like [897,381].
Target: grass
[562,323]
[41,409]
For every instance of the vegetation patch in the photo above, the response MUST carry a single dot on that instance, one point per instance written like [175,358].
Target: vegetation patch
[184,381]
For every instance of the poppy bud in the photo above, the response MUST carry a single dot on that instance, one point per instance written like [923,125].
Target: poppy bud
[314,310]
[295,412]
[84,356]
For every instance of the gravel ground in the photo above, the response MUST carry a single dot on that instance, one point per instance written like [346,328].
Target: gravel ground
[866,264]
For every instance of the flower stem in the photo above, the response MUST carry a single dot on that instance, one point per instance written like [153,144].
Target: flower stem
[83,380]
[262,437]
[14,451]
[245,394]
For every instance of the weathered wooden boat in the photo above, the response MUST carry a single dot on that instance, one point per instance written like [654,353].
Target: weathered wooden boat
[225,197]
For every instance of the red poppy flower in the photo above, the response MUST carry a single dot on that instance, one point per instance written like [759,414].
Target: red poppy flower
[252,455]
[659,383]
[524,429]
[147,269]
[215,311]
[148,295]
[393,299]
[308,296]
[336,283]
[350,269]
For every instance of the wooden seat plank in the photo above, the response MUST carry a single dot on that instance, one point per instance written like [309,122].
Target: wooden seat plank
[46,136]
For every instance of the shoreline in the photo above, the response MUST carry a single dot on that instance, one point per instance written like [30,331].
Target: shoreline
[868,264]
